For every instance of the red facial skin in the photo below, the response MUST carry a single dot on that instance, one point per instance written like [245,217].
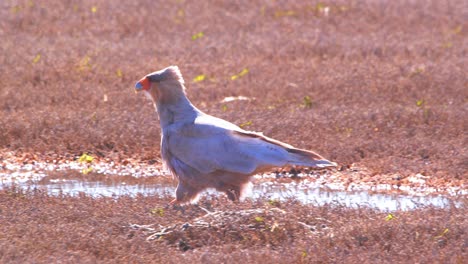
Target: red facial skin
[145,83]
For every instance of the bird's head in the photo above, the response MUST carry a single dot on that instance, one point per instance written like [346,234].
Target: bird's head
[164,86]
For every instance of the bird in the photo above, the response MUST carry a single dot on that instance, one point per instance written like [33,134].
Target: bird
[202,151]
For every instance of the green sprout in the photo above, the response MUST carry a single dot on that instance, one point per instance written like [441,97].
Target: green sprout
[157,211]
[87,170]
[307,102]
[246,124]
[389,217]
[36,59]
[84,64]
[240,74]
[420,103]
[197,35]
[85,158]
[273,202]
[199,78]
[259,219]
[119,73]
[446,230]
[286,13]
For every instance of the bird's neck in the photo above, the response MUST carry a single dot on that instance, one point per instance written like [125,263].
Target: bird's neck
[182,111]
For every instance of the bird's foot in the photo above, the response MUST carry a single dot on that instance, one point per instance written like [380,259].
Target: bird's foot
[233,195]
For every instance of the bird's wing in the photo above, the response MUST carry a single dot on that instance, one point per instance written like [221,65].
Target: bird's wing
[210,144]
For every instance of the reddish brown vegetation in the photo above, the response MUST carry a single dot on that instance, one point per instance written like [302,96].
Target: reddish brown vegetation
[381,84]
[39,228]
[386,81]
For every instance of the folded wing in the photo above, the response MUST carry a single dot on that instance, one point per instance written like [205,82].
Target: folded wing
[212,144]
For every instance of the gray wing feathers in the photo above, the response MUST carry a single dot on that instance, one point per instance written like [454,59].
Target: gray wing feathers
[209,147]
[278,153]
[208,154]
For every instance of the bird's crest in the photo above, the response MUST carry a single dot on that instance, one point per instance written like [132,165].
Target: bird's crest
[169,73]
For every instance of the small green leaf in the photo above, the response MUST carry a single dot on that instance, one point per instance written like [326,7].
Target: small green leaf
[420,103]
[36,59]
[199,78]
[284,13]
[157,211]
[84,63]
[389,217]
[240,74]
[259,219]
[224,108]
[244,72]
[119,73]
[87,170]
[446,230]
[197,35]
[307,102]
[246,124]
[85,158]
[274,202]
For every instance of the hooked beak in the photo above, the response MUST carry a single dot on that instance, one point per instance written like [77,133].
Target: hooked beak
[142,85]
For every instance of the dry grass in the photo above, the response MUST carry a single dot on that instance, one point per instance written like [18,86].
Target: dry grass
[381,84]
[386,79]
[40,228]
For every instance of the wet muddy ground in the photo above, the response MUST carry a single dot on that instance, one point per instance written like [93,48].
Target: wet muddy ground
[318,187]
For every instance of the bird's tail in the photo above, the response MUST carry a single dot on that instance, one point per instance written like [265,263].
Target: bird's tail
[301,157]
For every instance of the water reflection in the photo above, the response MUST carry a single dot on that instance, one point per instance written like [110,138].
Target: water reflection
[354,199]
[267,190]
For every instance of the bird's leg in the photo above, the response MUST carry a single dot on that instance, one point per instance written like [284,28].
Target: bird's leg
[233,193]
[174,204]
[185,193]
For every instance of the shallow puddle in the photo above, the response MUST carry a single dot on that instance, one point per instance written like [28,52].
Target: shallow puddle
[316,187]
[308,192]
[353,199]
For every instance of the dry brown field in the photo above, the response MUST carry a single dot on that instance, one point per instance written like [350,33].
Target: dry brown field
[39,228]
[380,85]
